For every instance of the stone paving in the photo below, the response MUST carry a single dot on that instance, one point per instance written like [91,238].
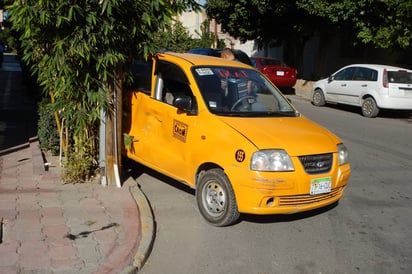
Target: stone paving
[50,227]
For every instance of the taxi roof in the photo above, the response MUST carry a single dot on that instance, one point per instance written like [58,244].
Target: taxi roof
[201,60]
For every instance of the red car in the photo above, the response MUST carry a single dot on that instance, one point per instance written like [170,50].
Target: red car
[278,72]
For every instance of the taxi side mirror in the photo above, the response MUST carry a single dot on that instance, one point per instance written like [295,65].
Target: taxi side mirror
[183,102]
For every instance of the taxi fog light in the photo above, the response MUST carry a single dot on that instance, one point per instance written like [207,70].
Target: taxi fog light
[342,154]
[271,160]
[270,201]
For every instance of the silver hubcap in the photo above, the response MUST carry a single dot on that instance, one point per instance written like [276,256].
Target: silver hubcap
[214,198]
[367,107]
[316,98]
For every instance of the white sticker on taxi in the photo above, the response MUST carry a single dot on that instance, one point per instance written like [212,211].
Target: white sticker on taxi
[204,71]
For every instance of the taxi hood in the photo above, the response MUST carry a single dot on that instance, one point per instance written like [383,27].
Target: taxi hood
[296,135]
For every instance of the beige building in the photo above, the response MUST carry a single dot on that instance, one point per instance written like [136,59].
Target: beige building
[192,21]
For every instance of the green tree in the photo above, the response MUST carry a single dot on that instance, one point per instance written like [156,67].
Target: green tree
[174,37]
[382,23]
[260,20]
[79,52]
[206,37]
[177,38]
[273,22]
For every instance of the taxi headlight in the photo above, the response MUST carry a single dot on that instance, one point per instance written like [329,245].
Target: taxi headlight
[342,154]
[271,160]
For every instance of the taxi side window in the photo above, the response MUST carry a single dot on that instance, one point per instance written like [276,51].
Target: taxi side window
[172,89]
[175,82]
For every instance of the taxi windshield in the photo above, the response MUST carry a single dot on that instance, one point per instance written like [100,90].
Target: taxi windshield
[233,91]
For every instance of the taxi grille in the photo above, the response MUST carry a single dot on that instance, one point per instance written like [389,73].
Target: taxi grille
[297,200]
[315,164]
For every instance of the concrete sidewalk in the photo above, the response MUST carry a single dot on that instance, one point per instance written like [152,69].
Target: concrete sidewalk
[50,227]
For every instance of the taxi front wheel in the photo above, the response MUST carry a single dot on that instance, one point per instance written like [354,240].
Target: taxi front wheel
[215,198]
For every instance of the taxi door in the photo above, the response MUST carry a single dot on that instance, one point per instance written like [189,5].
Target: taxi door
[171,135]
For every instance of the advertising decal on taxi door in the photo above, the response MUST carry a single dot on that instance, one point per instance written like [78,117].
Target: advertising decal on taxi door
[180,130]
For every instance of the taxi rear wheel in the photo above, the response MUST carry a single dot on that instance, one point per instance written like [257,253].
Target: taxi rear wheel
[215,198]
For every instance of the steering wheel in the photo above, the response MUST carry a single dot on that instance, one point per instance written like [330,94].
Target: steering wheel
[241,100]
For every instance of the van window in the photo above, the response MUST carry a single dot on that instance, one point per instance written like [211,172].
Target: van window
[365,74]
[400,77]
[345,74]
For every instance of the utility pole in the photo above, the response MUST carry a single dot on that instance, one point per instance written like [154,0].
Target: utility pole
[113,132]
[216,39]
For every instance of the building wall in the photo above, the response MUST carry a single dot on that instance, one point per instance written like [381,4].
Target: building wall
[192,21]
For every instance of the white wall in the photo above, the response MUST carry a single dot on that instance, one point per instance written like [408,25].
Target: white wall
[192,22]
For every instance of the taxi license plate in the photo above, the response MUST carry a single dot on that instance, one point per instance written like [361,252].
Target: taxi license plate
[320,185]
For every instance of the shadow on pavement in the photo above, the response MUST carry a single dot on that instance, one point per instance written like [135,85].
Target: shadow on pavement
[383,113]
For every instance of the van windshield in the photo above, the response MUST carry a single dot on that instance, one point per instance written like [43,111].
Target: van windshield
[233,91]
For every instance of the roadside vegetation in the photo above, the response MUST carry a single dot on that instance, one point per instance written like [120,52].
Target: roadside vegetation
[79,53]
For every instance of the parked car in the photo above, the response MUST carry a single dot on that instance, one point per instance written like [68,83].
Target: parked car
[283,76]
[239,54]
[368,86]
[193,120]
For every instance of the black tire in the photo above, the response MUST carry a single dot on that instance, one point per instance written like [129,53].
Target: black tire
[369,108]
[216,199]
[318,99]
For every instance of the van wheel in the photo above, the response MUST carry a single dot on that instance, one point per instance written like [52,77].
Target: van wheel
[369,108]
[216,199]
[318,99]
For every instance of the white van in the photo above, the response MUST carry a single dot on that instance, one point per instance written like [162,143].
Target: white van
[371,87]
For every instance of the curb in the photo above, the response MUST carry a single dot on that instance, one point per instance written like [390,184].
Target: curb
[14,149]
[147,226]
[37,156]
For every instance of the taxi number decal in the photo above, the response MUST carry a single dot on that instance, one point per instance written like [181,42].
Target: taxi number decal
[240,155]
[180,130]
[204,71]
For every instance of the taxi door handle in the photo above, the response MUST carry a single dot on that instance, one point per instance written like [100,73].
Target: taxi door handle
[364,85]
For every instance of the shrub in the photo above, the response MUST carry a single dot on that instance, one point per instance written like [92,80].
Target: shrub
[78,168]
[47,129]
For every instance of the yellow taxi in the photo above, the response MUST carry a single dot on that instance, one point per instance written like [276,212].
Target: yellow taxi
[225,130]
